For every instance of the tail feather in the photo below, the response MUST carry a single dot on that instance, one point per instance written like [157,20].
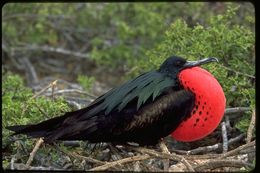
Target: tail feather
[45,128]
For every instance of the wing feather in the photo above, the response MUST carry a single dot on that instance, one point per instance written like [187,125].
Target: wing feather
[141,88]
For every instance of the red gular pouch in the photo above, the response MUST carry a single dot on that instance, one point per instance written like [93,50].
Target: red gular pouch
[209,106]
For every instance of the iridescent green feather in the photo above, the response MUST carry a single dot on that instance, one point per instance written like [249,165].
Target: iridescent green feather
[143,87]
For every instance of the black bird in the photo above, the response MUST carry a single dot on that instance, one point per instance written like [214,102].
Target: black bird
[143,110]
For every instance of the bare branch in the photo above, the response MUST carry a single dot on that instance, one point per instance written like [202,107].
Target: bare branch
[237,150]
[236,110]
[44,89]
[31,73]
[118,162]
[35,149]
[238,73]
[166,162]
[207,149]
[213,164]
[251,128]
[171,156]
[224,137]
[49,49]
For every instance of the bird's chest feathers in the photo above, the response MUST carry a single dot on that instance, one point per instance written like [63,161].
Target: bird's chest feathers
[209,105]
[153,112]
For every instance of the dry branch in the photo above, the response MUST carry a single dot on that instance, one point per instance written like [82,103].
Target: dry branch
[251,128]
[224,137]
[237,150]
[171,156]
[166,162]
[236,110]
[118,162]
[44,89]
[35,149]
[49,49]
[213,164]
[209,148]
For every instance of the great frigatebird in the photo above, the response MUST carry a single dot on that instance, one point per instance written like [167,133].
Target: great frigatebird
[142,110]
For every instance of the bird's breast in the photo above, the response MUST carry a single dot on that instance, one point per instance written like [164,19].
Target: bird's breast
[209,106]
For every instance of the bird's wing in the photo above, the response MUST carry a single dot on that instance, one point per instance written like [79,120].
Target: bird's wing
[147,85]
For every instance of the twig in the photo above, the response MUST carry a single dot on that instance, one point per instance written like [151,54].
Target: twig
[40,109]
[238,73]
[21,166]
[209,148]
[54,84]
[171,156]
[73,103]
[227,121]
[213,164]
[224,137]
[44,89]
[89,159]
[251,128]
[75,155]
[32,154]
[12,162]
[236,110]
[121,161]
[73,90]
[53,50]
[32,75]
[237,150]
[166,162]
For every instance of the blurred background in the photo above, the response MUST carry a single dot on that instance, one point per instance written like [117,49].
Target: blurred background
[91,47]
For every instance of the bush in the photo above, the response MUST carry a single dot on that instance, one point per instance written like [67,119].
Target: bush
[18,108]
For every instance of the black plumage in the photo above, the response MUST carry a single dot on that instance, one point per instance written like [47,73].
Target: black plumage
[142,110]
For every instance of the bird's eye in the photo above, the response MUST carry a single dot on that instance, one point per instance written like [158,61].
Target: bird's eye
[178,63]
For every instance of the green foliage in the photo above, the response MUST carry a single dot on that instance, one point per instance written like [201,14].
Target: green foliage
[19,108]
[233,44]
[86,82]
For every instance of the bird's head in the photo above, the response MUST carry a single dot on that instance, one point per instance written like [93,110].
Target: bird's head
[210,100]
[174,64]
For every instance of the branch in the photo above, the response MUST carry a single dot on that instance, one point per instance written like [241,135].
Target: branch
[29,68]
[44,89]
[35,149]
[209,148]
[166,162]
[224,137]
[213,164]
[171,156]
[238,73]
[121,161]
[236,110]
[58,50]
[251,128]
[237,150]
[71,91]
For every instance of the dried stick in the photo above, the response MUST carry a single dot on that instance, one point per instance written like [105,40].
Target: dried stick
[32,75]
[73,90]
[224,137]
[251,128]
[58,50]
[209,148]
[213,164]
[44,89]
[75,155]
[121,161]
[236,110]
[35,149]
[237,72]
[171,156]
[166,162]
[237,150]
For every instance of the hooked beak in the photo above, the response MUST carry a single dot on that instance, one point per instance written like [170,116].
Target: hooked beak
[189,64]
